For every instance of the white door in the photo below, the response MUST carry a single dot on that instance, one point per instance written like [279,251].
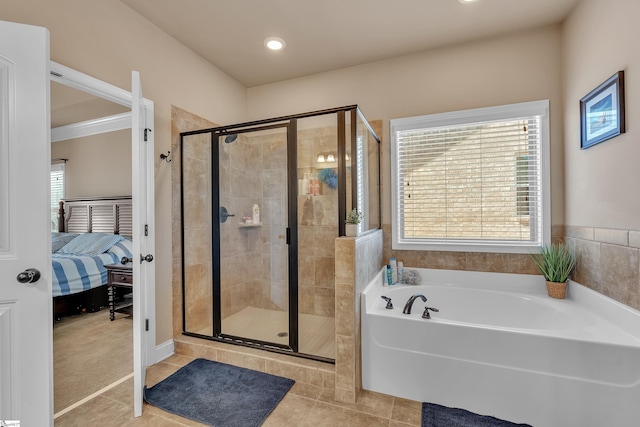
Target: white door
[143,237]
[26,392]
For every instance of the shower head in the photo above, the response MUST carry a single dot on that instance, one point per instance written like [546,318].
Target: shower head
[230,138]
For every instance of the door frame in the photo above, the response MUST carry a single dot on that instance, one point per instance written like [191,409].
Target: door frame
[85,83]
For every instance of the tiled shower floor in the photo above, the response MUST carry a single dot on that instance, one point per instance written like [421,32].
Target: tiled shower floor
[317,333]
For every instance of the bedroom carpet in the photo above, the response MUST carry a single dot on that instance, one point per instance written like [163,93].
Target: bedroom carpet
[89,353]
[441,416]
[218,394]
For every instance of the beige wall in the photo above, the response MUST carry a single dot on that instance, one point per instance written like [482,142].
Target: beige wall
[602,206]
[517,68]
[599,39]
[520,67]
[106,39]
[89,170]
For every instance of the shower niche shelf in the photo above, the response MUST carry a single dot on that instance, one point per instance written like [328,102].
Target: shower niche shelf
[243,225]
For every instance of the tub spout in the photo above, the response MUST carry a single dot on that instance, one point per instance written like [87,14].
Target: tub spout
[409,304]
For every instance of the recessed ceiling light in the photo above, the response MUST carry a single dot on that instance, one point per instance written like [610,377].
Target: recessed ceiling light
[466,1]
[274,43]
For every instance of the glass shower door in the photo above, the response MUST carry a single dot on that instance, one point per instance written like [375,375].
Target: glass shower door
[253,280]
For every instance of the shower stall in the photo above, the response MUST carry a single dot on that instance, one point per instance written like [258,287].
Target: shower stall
[262,204]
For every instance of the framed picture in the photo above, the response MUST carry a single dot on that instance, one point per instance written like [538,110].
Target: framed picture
[602,112]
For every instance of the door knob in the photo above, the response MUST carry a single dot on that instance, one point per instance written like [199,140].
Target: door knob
[147,258]
[30,275]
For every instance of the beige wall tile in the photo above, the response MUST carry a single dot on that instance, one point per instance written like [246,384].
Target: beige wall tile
[634,239]
[329,380]
[295,372]
[344,395]
[585,233]
[620,273]
[345,260]
[344,309]
[588,264]
[345,362]
[608,235]
[243,360]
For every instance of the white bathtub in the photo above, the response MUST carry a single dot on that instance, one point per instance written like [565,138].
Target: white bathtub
[500,346]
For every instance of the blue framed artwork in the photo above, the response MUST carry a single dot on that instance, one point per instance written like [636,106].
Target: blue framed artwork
[602,112]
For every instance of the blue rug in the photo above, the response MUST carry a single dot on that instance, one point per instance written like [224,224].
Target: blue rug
[218,394]
[441,416]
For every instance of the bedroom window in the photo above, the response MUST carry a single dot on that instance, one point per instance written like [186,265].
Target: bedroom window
[475,180]
[57,192]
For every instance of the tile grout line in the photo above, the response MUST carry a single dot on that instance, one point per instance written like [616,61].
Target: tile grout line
[88,398]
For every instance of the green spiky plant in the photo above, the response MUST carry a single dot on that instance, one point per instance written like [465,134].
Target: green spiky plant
[354,217]
[555,261]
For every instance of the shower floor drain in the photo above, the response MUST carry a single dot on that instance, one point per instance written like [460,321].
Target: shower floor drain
[283,334]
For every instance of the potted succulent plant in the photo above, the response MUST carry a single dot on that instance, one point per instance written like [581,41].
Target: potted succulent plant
[556,262]
[351,223]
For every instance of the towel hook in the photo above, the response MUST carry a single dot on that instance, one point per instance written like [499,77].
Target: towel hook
[165,157]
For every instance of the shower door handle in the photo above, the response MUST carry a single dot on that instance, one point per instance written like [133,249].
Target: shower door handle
[224,214]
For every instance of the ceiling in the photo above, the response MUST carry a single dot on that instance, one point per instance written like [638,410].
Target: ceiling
[326,35]
[321,35]
[70,106]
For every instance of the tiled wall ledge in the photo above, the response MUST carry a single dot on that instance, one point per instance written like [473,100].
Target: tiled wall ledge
[319,375]
[468,261]
[358,260]
[608,261]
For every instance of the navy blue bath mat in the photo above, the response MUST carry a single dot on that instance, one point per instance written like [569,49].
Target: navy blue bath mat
[441,416]
[218,394]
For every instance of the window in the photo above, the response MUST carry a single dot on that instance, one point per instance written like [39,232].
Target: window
[475,180]
[57,192]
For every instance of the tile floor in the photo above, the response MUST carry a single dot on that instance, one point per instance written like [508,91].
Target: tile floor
[304,405]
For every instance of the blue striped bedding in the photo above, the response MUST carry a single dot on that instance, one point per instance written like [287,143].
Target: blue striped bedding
[73,273]
[78,273]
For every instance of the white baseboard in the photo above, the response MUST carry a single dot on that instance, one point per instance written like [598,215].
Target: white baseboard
[164,350]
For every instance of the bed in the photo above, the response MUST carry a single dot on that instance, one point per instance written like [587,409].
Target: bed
[92,233]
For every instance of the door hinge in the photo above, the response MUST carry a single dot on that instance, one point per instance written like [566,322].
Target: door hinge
[146,325]
[146,229]
[288,236]
[145,133]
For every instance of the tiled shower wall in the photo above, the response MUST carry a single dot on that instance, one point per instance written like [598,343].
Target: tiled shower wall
[608,261]
[197,234]
[197,273]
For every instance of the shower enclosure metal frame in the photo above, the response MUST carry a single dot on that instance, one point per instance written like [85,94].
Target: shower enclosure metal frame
[290,123]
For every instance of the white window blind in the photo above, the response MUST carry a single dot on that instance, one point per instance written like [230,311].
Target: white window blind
[471,180]
[57,192]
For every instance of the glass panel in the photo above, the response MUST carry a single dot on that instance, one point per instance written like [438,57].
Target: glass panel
[197,230]
[254,264]
[368,174]
[317,229]
[350,160]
